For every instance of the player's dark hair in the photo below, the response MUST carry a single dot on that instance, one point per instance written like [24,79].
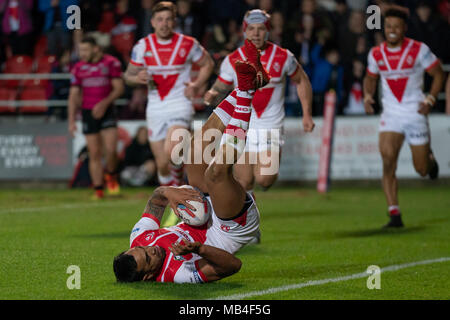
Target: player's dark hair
[125,268]
[165,6]
[398,12]
[90,40]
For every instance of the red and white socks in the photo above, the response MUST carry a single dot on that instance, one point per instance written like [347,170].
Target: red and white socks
[235,132]
[394,210]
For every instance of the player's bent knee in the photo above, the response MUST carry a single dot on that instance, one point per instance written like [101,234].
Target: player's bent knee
[266,181]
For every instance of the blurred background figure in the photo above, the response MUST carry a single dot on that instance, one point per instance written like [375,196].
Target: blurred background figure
[138,167]
[55,28]
[17,25]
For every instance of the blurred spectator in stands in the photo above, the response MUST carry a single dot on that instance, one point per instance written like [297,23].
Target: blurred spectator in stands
[60,88]
[139,165]
[447,96]
[353,89]
[427,26]
[55,27]
[143,16]
[186,22]
[90,11]
[266,5]
[277,31]
[444,10]
[17,25]
[351,37]
[123,33]
[223,39]
[327,74]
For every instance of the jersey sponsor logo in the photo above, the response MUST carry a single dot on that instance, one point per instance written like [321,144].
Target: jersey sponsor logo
[225,228]
[197,277]
[179,258]
[135,230]
[276,66]
[149,237]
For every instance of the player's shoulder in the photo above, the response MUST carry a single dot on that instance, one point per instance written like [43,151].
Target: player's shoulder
[110,59]
[78,65]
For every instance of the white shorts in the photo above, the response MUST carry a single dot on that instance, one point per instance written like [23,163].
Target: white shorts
[231,235]
[159,124]
[415,129]
[261,140]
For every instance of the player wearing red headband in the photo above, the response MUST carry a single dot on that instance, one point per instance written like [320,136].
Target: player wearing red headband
[263,140]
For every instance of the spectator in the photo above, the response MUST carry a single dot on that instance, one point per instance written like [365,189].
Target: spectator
[277,31]
[139,165]
[143,16]
[353,89]
[428,27]
[60,88]
[17,25]
[55,27]
[186,22]
[327,74]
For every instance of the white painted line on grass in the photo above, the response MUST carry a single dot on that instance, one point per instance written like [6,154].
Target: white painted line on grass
[68,206]
[330,280]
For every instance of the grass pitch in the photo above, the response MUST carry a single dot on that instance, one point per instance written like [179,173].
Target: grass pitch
[305,237]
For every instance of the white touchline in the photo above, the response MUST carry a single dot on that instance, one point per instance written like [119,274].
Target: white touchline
[330,280]
[66,206]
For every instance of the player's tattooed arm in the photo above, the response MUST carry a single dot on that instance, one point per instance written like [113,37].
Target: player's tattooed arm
[157,204]
[217,93]
[136,75]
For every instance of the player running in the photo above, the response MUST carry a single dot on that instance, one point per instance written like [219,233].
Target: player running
[268,102]
[96,83]
[401,62]
[184,253]
[162,61]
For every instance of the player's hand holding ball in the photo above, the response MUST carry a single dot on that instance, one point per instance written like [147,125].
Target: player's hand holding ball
[181,196]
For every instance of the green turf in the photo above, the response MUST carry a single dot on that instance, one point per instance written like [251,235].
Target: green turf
[305,236]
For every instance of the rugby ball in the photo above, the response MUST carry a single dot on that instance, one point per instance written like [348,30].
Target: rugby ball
[196,217]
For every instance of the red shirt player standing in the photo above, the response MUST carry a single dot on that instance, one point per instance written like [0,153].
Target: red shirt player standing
[96,83]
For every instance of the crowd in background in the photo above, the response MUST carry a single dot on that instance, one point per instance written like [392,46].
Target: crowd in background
[328,37]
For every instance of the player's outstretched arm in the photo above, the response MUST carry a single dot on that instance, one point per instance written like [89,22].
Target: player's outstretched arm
[73,102]
[304,92]
[369,87]
[216,263]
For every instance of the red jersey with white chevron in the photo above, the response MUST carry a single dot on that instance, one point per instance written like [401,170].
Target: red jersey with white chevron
[178,269]
[401,70]
[169,62]
[268,102]
[229,235]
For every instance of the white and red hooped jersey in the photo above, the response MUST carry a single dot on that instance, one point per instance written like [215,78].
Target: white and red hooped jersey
[268,102]
[401,70]
[169,62]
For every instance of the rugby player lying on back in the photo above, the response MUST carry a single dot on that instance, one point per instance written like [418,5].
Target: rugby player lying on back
[185,253]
